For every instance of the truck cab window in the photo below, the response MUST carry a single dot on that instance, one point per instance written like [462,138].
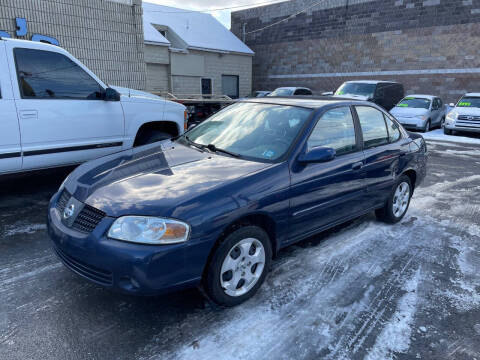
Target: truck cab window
[50,75]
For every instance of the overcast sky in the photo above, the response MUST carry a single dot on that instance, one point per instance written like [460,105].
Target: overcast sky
[223,16]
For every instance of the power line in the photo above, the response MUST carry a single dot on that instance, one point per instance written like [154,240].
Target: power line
[286,19]
[218,9]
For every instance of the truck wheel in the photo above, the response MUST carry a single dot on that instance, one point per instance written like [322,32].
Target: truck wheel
[151,137]
[238,266]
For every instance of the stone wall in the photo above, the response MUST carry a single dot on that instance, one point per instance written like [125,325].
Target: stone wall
[432,46]
[106,35]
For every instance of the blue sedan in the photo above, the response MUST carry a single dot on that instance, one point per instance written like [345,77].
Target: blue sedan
[215,205]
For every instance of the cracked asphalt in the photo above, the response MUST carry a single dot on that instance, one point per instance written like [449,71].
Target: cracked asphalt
[363,290]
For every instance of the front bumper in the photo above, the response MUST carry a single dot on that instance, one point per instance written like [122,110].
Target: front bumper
[411,123]
[475,128]
[127,267]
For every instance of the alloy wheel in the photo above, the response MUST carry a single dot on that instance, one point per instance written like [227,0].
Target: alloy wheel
[401,199]
[242,267]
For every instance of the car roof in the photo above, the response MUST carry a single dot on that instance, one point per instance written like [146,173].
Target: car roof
[25,42]
[430,97]
[292,88]
[370,82]
[310,102]
[472,94]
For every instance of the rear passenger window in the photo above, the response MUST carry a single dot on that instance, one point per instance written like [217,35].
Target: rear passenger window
[336,130]
[393,130]
[373,126]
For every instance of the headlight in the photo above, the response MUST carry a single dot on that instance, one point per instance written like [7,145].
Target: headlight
[452,116]
[149,230]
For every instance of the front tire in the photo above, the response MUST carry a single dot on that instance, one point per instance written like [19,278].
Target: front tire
[426,128]
[239,266]
[397,203]
[447,131]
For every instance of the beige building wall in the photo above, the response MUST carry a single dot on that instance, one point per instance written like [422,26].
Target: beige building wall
[106,35]
[189,68]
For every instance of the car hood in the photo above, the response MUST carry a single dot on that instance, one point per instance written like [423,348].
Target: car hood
[154,179]
[466,111]
[408,112]
[131,95]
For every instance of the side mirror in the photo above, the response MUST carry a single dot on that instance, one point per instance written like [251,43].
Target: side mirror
[317,155]
[327,93]
[451,105]
[111,95]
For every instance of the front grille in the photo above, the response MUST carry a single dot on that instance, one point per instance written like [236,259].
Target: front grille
[88,219]
[62,201]
[468,118]
[93,273]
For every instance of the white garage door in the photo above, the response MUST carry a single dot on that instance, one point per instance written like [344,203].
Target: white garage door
[157,77]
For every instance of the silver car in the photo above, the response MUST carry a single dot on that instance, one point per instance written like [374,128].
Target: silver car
[420,112]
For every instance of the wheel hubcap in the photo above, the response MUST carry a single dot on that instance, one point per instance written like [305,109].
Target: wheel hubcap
[242,267]
[400,199]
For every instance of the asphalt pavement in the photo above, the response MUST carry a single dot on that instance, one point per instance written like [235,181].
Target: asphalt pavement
[362,290]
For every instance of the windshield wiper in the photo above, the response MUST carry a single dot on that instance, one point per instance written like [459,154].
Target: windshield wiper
[198,146]
[213,148]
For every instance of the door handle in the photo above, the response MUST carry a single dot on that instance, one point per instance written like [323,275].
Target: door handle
[402,153]
[28,114]
[357,165]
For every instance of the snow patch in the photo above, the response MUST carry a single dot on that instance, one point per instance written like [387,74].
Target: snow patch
[16,229]
[395,336]
[438,135]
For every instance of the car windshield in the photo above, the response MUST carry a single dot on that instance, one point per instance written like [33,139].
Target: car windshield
[263,132]
[469,101]
[361,89]
[281,92]
[412,102]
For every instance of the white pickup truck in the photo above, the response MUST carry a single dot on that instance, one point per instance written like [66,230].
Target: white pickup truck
[56,112]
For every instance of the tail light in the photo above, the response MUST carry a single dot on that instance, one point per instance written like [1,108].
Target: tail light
[185,120]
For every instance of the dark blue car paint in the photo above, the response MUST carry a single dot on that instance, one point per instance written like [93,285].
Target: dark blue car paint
[211,192]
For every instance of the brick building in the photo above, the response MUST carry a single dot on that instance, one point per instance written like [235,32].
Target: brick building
[431,46]
[106,35]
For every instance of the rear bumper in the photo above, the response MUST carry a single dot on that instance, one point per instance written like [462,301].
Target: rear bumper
[127,267]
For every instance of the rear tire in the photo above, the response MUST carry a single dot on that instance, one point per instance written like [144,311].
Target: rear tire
[442,122]
[151,137]
[397,203]
[239,266]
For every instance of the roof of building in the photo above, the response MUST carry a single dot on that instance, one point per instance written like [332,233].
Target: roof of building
[197,30]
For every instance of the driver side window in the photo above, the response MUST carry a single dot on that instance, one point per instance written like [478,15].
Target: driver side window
[335,129]
[51,75]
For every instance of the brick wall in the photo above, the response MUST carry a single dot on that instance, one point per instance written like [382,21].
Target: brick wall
[106,35]
[432,46]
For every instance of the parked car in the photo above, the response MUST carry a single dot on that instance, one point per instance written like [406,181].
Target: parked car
[465,115]
[420,112]
[291,91]
[383,93]
[56,112]
[260,93]
[213,206]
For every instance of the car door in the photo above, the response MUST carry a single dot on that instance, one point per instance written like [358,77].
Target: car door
[325,193]
[10,148]
[382,152]
[436,110]
[62,115]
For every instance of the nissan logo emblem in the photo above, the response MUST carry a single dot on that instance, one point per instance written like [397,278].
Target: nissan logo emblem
[69,211]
